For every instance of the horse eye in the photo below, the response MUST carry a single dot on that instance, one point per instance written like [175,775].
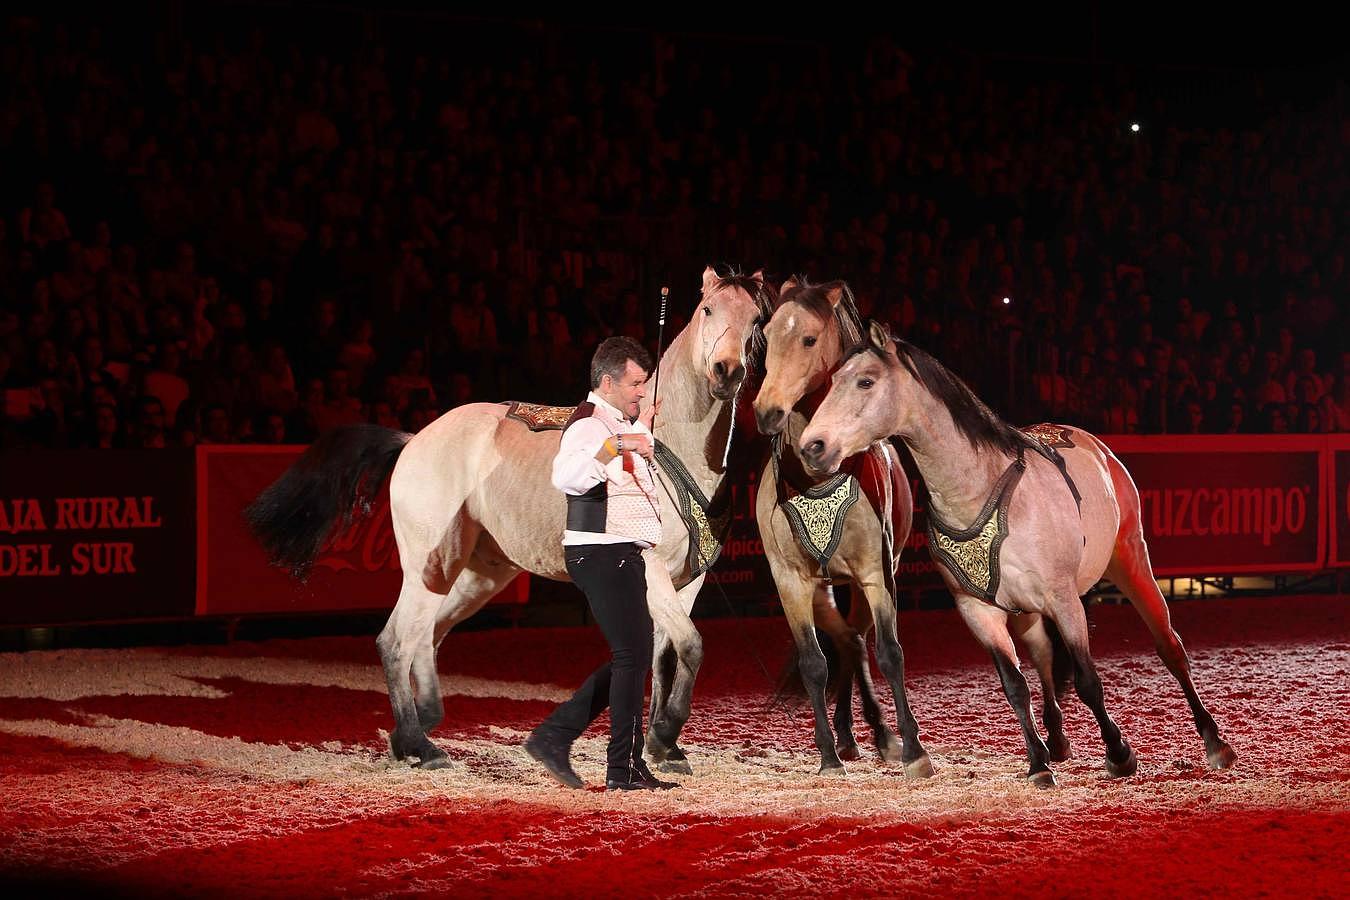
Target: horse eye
[707,310]
[866,383]
[808,342]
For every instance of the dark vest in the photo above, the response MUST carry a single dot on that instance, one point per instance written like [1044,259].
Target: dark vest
[588,511]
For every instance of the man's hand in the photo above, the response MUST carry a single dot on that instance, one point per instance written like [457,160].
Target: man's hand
[639,443]
[648,416]
[634,442]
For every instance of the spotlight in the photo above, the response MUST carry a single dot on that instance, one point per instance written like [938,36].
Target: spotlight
[1134,126]
[1007,301]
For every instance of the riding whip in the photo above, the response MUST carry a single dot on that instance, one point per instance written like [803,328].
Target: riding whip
[660,341]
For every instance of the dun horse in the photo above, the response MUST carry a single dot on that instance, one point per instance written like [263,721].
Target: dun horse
[1022,524]
[820,530]
[472,506]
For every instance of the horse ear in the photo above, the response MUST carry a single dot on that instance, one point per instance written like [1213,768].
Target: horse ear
[758,276]
[878,335]
[710,279]
[790,285]
[836,294]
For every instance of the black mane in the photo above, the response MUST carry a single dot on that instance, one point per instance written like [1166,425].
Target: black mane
[977,422]
[766,299]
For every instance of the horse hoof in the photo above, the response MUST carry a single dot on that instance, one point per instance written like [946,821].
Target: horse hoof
[890,752]
[674,766]
[920,768]
[1059,749]
[1043,780]
[849,751]
[829,771]
[1125,768]
[415,750]
[436,762]
[1221,757]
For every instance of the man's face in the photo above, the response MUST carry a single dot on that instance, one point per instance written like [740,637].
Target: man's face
[627,391]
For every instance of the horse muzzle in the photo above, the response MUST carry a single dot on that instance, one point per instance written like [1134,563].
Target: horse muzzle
[771,420]
[726,380]
[819,458]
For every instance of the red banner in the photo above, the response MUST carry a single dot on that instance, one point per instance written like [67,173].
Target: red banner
[359,570]
[1217,504]
[109,535]
[1338,479]
[92,536]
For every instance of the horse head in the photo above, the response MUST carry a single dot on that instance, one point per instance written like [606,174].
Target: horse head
[807,337]
[861,406]
[722,326]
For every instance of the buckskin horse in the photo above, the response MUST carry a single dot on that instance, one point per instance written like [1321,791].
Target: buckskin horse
[472,506]
[820,531]
[1022,523]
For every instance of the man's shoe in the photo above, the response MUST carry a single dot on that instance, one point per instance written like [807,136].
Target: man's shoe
[639,778]
[552,753]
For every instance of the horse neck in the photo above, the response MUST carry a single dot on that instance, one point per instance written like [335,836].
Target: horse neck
[958,474]
[696,427]
[811,400]
[790,466]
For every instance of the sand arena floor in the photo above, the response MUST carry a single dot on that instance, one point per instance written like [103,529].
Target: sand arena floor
[260,769]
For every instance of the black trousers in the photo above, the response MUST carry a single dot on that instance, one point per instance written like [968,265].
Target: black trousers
[614,579]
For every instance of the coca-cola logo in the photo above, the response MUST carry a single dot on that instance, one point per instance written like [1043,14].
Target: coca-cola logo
[367,546]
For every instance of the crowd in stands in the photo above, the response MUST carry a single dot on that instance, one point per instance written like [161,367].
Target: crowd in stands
[220,231]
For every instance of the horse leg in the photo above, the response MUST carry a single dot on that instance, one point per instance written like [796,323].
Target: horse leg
[1066,611]
[664,661]
[409,630]
[798,597]
[989,624]
[428,578]
[1040,645]
[806,605]
[670,616]
[849,652]
[845,743]
[476,585]
[860,620]
[891,661]
[1131,571]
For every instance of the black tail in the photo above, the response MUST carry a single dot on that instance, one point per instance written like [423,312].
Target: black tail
[331,485]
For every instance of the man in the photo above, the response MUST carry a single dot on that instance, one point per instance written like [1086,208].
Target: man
[613,513]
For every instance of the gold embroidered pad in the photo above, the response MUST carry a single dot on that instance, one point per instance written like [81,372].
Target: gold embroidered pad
[971,554]
[540,418]
[706,531]
[1055,436]
[817,516]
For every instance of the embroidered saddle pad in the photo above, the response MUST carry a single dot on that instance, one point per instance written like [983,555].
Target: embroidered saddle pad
[707,526]
[971,554]
[817,512]
[538,417]
[1054,436]
[817,516]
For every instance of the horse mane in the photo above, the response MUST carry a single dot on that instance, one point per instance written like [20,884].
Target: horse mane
[973,418]
[765,296]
